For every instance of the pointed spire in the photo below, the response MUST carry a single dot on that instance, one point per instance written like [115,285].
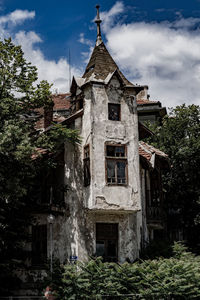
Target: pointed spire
[98,22]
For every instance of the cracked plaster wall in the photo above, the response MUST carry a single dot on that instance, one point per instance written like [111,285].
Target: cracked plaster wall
[99,202]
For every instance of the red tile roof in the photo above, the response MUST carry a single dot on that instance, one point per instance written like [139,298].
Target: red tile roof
[152,156]
[142,101]
[38,152]
[147,151]
[61,101]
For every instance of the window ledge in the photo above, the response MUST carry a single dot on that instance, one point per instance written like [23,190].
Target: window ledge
[117,184]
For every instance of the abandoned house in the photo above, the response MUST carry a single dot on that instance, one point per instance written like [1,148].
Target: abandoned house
[113,202]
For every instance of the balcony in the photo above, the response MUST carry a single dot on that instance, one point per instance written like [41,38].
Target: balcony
[48,200]
[154,214]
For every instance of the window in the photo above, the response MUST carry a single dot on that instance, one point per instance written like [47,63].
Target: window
[116,164]
[86,165]
[107,241]
[39,244]
[156,189]
[114,112]
[79,104]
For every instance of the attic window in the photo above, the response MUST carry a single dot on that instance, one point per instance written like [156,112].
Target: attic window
[90,68]
[114,112]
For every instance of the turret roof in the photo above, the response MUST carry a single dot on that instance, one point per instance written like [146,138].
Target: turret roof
[101,64]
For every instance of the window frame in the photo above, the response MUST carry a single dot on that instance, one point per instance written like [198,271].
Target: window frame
[105,239]
[116,159]
[86,161]
[116,104]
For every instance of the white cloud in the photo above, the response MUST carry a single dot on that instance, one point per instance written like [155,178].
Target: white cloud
[186,23]
[108,17]
[50,70]
[85,41]
[56,72]
[86,55]
[165,56]
[17,17]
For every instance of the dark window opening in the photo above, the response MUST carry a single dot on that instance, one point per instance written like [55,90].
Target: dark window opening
[116,164]
[154,196]
[114,112]
[53,186]
[156,189]
[39,244]
[79,104]
[107,241]
[86,165]
[90,68]
[115,151]
[48,186]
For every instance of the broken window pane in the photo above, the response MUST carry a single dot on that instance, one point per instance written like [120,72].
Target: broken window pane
[114,112]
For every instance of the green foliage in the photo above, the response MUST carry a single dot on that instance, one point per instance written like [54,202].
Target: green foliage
[58,134]
[20,95]
[156,249]
[150,279]
[179,138]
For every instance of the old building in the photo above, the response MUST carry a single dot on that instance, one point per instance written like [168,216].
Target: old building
[148,110]
[105,198]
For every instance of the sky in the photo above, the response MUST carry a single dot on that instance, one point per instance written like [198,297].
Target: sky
[154,42]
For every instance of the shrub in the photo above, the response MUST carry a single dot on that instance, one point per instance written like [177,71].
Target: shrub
[178,276]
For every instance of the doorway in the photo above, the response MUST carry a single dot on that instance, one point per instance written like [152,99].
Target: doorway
[107,241]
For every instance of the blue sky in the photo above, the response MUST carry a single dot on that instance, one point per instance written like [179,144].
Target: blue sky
[154,42]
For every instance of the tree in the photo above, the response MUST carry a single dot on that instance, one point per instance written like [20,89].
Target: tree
[179,138]
[20,95]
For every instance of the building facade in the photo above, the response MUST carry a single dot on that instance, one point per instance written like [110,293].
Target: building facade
[105,197]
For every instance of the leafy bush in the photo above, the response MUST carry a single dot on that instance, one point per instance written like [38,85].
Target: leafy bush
[178,276]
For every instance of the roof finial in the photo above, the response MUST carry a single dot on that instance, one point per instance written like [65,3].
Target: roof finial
[98,22]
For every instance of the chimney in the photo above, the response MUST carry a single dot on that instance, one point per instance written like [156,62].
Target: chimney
[48,115]
[143,95]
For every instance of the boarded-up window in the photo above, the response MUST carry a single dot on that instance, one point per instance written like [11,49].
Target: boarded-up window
[107,241]
[86,165]
[116,164]
[39,244]
[114,112]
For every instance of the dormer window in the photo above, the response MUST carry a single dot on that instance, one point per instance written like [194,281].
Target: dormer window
[90,68]
[114,112]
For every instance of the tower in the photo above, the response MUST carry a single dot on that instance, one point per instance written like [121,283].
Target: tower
[103,172]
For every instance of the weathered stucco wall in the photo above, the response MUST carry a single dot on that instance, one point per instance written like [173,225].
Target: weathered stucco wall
[100,202]
[98,130]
